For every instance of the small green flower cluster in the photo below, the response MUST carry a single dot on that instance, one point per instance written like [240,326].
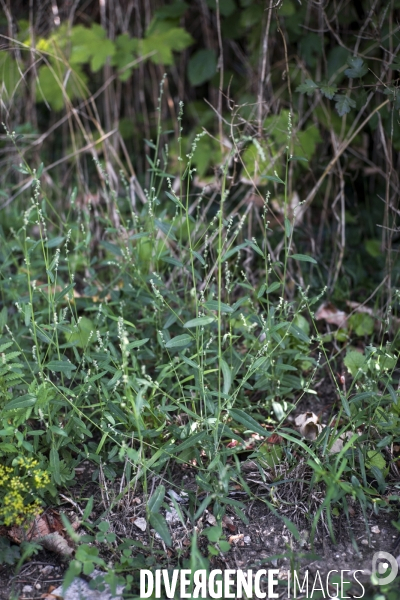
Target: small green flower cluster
[18,487]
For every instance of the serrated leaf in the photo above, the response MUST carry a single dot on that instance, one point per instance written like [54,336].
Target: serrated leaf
[357,67]
[304,258]
[343,104]
[308,87]
[328,90]
[199,322]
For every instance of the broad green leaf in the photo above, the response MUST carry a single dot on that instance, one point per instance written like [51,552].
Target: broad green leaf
[251,424]
[199,322]
[354,361]
[304,258]
[227,375]
[22,402]
[202,66]
[362,323]
[179,341]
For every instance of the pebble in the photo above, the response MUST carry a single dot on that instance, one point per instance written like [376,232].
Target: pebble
[27,589]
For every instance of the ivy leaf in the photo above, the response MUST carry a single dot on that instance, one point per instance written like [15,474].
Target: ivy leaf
[308,87]
[202,66]
[343,104]
[357,67]
[328,90]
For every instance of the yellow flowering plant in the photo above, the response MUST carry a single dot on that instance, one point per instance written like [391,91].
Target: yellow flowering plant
[20,486]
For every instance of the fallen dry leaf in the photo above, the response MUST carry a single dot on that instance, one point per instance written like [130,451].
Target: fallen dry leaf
[329,313]
[308,425]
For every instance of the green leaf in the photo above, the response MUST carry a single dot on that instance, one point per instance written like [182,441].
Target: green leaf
[60,366]
[354,361]
[362,323]
[273,287]
[251,424]
[22,402]
[51,88]
[343,104]
[308,87]
[273,178]
[304,258]
[226,7]
[199,322]
[202,66]
[54,242]
[357,67]
[91,44]
[213,533]
[160,525]
[328,90]
[81,333]
[162,40]
[55,465]
[301,158]
[227,375]
[137,344]
[214,304]
[233,251]
[126,50]
[179,341]
[156,500]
